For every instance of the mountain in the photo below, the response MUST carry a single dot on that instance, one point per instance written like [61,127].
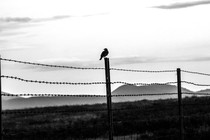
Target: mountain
[204,91]
[151,89]
[20,103]
[131,89]
[9,97]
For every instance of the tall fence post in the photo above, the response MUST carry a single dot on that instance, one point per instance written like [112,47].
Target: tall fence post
[179,89]
[1,99]
[109,98]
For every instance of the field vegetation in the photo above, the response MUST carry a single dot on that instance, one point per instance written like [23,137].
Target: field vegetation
[143,120]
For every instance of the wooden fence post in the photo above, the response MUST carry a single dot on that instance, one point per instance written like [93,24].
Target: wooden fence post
[109,98]
[179,88]
[1,99]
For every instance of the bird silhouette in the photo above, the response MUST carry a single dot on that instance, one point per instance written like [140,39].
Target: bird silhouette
[104,53]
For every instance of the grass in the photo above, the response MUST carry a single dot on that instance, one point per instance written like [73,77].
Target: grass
[132,120]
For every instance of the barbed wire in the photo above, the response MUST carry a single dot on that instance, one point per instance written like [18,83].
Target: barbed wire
[82,95]
[98,68]
[144,71]
[83,83]
[51,95]
[197,93]
[193,72]
[47,65]
[84,68]
[195,84]
[144,94]
[55,83]
[142,84]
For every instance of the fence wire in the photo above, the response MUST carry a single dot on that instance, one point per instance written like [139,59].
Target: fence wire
[83,95]
[195,84]
[82,83]
[29,111]
[51,95]
[84,68]
[197,93]
[96,83]
[47,65]
[98,68]
[193,72]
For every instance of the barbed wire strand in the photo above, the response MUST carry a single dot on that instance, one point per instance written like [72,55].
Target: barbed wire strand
[47,65]
[196,93]
[94,95]
[193,72]
[144,94]
[144,71]
[82,95]
[83,83]
[97,68]
[50,95]
[84,68]
[55,83]
[97,83]
[195,84]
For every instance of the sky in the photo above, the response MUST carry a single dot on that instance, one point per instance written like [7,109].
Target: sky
[144,35]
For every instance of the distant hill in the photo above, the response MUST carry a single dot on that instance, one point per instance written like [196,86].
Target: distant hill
[5,98]
[151,89]
[19,103]
[204,91]
[31,102]
[131,89]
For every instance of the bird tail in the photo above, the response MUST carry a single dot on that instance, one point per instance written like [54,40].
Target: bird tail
[100,58]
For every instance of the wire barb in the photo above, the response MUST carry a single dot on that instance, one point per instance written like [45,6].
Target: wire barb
[193,72]
[82,95]
[195,84]
[190,93]
[47,65]
[54,83]
[84,68]
[83,83]
[144,71]
[51,95]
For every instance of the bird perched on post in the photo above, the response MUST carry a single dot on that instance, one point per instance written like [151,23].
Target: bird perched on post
[104,53]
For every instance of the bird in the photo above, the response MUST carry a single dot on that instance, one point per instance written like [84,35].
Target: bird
[104,53]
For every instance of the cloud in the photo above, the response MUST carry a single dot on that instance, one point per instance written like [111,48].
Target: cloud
[35,20]
[16,19]
[31,20]
[9,26]
[137,60]
[183,4]
[14,23]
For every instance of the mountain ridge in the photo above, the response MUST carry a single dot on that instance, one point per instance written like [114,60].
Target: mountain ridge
[20,102]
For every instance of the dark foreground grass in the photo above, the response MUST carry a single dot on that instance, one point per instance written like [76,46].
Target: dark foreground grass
[132,120]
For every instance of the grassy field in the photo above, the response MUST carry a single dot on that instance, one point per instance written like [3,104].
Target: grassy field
[144,119]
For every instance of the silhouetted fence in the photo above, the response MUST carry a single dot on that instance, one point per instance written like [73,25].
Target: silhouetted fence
[114,122]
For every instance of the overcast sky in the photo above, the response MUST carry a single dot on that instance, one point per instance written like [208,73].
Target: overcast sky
[146,34]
